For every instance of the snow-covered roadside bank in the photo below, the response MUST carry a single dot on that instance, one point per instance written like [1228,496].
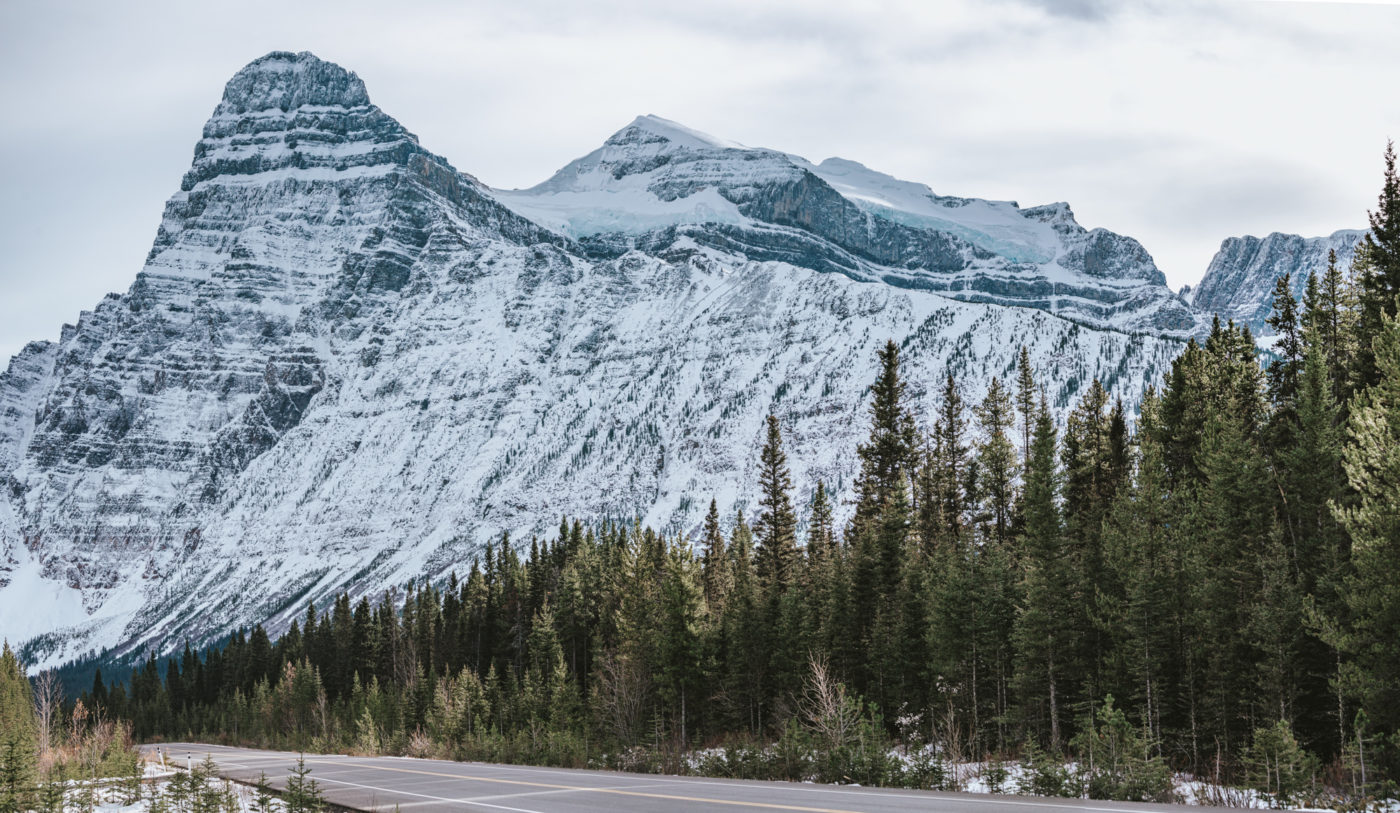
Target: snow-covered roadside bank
[928,769]
[164,789]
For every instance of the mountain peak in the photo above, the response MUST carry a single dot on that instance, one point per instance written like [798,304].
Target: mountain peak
[649,128]
[1239,283]
[285,81]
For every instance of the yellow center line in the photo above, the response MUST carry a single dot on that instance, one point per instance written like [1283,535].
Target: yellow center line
[615,791]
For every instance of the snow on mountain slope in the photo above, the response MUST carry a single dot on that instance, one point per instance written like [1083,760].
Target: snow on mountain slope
[997,226]
[1239,283]
[655,180]
[345,365]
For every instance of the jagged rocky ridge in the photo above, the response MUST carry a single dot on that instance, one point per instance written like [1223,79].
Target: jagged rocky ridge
[1239,284]
[347,364]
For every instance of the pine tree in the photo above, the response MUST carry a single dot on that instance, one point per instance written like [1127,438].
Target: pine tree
[678,650]
[776,530]
[1284,371]
[950,458]
[821,527]
[1312,478]
[1372,464]
[1047,584]
[1327,324]
[878,533]
[1231,520]
[745,636]
[19,735]
[1378,273]
[996,459]
[1025,403]
[303,795]
[885,459]
[1091,478]
[1152,571]
[718,577]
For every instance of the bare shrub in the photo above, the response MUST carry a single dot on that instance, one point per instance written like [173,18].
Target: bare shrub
[826,709]
[620,695]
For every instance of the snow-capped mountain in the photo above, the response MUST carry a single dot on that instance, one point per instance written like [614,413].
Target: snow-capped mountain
[346,364]
[655,182]
[1239,284]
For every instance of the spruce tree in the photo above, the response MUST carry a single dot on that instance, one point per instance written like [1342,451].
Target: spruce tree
[1048,587]
[1312,478]
[996,459]
[1378,273]
[745,636]
[678,642]
[1231,520]
[1284,371]
[303,795]
[931,528]
[1025,403]
[718,577]
[1152,574]
[882,524]
[822,571]
[821,530]
[1372,464]
[1328,321]
[950,457]
[885,458]
[1091,478]
[19,735]
[776,530]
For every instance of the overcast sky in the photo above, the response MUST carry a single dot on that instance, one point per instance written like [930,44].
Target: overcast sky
[1176,122]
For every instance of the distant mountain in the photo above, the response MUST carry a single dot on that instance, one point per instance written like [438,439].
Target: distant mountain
[656,182]
[1239,284]
[346,364]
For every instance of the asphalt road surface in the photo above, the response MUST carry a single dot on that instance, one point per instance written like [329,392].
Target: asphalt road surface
[427,786]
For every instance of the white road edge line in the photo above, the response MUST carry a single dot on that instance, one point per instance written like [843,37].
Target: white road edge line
[962,796]
[835,790]
[389,792]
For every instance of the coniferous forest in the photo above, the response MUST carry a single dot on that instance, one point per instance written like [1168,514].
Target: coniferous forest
[1211,585]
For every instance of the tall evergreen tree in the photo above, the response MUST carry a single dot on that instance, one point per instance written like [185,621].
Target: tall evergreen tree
[19,734]
[745,637]
[1153,574]
[885,458]
[1048,587]
[1025,403]
[1377,269]
[996,459]
[1372,463]
[1230,517]
[776,530]
[716,569]
[821,530]
[1091,478]
[1311,479]
[678,649]
[1284,371]
[950,457]
[1328,321]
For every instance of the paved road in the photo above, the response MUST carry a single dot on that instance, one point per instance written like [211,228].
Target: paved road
[426,786]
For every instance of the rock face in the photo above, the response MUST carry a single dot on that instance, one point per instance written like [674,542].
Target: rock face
[1239,284]
[346,364]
